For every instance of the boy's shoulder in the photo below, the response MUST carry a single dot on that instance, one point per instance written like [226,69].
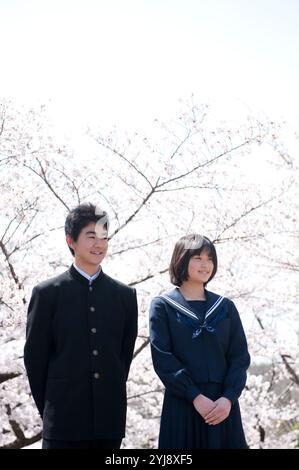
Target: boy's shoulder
[118,284]
[51,283]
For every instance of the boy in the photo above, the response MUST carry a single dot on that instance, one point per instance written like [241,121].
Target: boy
[81,331]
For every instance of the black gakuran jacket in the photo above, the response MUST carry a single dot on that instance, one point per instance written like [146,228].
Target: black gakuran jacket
[79,346]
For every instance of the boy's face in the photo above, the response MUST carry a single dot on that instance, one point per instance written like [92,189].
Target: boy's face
[91,246]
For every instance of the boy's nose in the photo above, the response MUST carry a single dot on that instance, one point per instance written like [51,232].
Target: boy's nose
[98,242]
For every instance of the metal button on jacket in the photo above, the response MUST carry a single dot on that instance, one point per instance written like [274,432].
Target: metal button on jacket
[95,352]
[92,309]
[96,375]
[93,330]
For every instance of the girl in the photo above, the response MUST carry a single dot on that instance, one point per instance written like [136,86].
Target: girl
[199,351]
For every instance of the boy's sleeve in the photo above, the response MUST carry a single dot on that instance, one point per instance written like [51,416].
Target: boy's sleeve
[130,332]
[38,344]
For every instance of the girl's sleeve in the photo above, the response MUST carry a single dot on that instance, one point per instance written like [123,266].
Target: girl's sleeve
[171,371]
[238,358]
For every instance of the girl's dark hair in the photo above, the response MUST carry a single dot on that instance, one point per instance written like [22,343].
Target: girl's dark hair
[185,248]
[80,217]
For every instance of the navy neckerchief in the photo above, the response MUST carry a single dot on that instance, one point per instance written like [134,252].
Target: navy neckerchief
[216,310]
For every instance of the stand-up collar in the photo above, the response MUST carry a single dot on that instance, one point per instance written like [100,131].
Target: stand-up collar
[75,274]
[84,274]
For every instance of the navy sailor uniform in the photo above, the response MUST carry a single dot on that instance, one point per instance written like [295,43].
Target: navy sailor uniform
[198,347]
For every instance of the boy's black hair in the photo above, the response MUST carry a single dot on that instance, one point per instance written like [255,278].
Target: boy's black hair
[185,248]
[82,215]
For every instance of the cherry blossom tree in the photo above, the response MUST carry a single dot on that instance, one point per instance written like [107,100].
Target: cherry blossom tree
[193,174]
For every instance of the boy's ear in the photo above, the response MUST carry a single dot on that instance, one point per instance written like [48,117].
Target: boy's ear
[69,241]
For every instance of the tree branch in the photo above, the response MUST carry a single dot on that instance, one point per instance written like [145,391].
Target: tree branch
[119,154]
[149,276]
[144,344]
[8,376]
[45,180]
[11,268]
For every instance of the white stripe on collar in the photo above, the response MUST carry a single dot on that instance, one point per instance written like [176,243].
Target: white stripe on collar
[189,312]
[87,276]
[179,306]
[211,309]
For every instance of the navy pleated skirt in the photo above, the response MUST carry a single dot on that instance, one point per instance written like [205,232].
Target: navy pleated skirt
[182,427]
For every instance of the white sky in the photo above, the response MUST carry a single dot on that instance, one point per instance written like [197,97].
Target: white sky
[129,61]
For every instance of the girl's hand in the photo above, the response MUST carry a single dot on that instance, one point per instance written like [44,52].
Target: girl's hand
[203,405]
[220,411]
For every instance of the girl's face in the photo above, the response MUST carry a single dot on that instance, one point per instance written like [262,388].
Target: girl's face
[200,268]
